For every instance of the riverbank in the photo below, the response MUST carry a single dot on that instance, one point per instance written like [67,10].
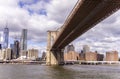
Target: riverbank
[21,62]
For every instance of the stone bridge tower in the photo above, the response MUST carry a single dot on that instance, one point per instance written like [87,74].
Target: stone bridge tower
[54,56]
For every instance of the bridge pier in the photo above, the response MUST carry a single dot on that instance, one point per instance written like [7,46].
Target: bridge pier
[56,56]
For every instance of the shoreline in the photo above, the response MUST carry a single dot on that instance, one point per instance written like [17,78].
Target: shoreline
[22,62]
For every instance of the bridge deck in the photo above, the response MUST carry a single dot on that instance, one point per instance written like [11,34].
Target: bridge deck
[85,15]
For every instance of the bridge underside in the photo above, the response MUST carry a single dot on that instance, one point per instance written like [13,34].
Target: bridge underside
[85,15]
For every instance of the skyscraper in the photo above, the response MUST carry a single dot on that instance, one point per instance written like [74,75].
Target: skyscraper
[86,49]
[23,40]
[0,46]
[16,49]
[5,37]
[12,48]
[1,41]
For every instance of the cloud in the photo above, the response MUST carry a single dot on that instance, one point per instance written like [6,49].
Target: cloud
[38,16]
[59,9]
[105,36]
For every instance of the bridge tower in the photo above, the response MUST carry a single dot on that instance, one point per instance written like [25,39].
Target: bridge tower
[53,56]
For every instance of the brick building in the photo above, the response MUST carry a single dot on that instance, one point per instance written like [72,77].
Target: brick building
[91,56]
[71,55]
[112,56]
[100,57]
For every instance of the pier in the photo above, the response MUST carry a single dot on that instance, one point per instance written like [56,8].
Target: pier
[98,62]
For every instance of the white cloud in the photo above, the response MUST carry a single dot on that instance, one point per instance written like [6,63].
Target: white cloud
[59,9]
[18,17]
[105,36]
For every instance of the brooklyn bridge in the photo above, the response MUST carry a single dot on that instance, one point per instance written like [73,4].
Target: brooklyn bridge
[85,15]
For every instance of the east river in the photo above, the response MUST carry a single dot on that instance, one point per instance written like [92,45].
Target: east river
[8,71]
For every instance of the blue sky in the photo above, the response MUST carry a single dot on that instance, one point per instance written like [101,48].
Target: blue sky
[38,16]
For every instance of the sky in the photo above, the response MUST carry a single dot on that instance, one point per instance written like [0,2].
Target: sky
[39,16]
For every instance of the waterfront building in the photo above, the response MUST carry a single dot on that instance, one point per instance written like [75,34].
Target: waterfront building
[0,46]
[112,56]
[16,49]
[23,54]
[86,49]
[91,56]
[23,44]
[1,56]
[23,40]
[100,57]
[44,56]
[82,55]
[71,55]
[32,54]
[5,37]
[12,48]
[70,48]
[6,54]
[1,40]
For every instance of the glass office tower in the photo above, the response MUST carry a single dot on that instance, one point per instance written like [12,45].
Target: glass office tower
[23,40]
[5,37]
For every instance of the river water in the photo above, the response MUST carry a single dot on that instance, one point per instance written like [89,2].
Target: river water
[8,71]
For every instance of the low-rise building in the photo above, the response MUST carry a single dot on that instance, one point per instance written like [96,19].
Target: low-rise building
[32,54]
[100,57]
[91,56]
[6,54]
[71,55]
[112,56]
[23,54]
[82,56]
[44,56]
